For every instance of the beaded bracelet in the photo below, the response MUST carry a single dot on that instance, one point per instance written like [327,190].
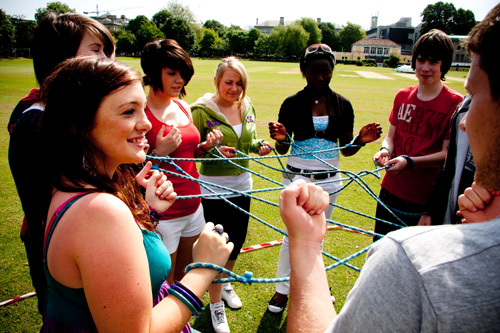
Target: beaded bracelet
[154,214]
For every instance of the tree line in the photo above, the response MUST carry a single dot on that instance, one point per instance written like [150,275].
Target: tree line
[213,39]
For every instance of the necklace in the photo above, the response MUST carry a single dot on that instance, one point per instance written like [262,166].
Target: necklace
[316,101]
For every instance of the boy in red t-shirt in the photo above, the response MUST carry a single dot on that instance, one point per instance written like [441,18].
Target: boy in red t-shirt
[418,136]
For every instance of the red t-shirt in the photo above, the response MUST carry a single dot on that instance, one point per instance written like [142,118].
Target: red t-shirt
[421,128]
[182,186]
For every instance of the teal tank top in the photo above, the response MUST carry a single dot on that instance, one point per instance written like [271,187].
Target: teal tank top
[67,306]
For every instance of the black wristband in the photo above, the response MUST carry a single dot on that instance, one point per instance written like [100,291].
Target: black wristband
[409,162]
[201,147]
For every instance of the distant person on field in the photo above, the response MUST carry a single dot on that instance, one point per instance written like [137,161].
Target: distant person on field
[418,136]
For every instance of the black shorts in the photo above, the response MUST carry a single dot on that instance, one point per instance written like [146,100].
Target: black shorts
[234,221]
[401,205]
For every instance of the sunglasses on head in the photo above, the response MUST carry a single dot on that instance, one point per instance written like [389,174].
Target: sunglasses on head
[319,49]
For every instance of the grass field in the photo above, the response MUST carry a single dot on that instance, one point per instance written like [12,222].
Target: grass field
[270,83]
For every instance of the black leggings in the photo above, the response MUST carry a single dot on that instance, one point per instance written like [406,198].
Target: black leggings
[234,221]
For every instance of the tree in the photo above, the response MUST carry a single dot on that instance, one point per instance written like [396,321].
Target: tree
[181,30]
[7,34]
[148,32]
[237,40]
[126,43]
[136,23]
[265,45]
[56,7]
[311,26]
[290,40]
[330,35]
[464,22]
[24,31]
[393,61]
[216,26]
[438,16]
[178,10]
[160,18]
[444,16]
[349,35]
[253,36]
[210,44]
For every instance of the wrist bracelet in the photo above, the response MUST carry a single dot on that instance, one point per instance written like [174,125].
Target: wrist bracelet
[186,296]
[388,151]
[189,297]
[201,147]
[186,289]
[362,144]
[184,300]
[154,214]
[409,162]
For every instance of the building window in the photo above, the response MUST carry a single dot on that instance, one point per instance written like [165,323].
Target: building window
[380,50]
[367,50]
[373,50]
[386,50]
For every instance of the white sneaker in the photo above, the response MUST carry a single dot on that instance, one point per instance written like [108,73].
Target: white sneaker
[219,320]
[228,295]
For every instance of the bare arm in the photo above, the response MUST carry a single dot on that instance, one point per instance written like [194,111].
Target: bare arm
[277,132]
[387,148]
[400,163]
[368,133]
[302,209]
[108,251]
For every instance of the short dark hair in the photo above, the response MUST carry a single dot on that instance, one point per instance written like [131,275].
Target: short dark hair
[165,53]
[58,37]
[306,59]
[484,41]
[435,45]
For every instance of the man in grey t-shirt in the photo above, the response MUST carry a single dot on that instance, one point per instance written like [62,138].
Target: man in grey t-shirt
[418,279]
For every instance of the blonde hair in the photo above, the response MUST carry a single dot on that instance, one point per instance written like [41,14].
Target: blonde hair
[238,67]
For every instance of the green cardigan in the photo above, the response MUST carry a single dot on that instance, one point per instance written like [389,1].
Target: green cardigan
[207,116]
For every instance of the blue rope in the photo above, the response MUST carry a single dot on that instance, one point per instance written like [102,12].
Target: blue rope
[350,178]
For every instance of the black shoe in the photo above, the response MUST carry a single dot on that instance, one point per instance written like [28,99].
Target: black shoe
[276,307]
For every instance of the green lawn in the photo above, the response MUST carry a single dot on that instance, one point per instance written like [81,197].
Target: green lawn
[270,83]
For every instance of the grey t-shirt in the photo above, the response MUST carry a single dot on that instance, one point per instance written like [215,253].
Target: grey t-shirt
[428,279]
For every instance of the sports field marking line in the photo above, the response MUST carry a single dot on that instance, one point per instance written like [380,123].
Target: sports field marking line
[373,75]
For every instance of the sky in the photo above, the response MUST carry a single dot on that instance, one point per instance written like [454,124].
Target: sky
[246,13]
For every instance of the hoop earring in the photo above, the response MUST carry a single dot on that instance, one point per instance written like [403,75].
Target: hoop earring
[87,167]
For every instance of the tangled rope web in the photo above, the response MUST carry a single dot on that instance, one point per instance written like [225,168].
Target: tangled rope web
[348,178]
